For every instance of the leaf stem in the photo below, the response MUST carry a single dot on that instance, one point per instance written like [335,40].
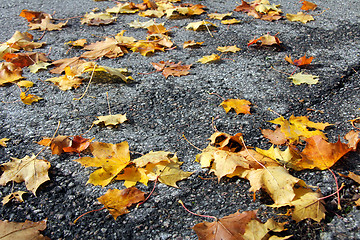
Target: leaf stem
[149,193]
[87,213]
[191,143]
[199,215]
[87,87]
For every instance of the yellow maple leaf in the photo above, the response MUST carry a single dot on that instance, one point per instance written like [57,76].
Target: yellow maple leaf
[230,21]
[118,201]
[171,173]
[287,157]
[9,72]
[201,25]
[228,49]
[132,175]
[300,78]
[155,158]
[219,16]
[77,43]
[152,13]
[30,170]
[97,19]
[111,158]
[239,105]
[3,141]
[38,65]
[29,98]
[67,81]
[299,17]
[209,58]
[191,43]
[111,120]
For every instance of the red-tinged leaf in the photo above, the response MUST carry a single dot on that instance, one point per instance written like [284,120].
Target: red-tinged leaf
[308,6]
[78,144]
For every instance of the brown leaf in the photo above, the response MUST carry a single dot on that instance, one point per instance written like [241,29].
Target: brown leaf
[33,16]
[265,40]
[275,136]
[9,72]
[321,154]
[15,195]
[108,48]
[353,139]
[61,64]
[57,144]
[171,68]
[78,144]
[230,227]
[46,24]
[118,201]
[22,230]
[25,59]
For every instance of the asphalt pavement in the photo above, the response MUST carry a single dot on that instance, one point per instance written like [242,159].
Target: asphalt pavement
[161,110]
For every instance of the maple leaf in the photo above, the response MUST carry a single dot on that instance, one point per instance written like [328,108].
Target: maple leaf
[192,43]
[30,170]
[67,81]
[115,72]
[108,48]
[306,5]
[299,62]
[266,40]
[123,8]
[171,173]
[228,49]
[26,84]
[219,16]
[61,64]
[155,158]
[56,144]
[15,195]
[152,13]
[19,41]
[171,68]
[29,98]
[321,154]
[3,141]
[137,24]
[307,204]
[132,175]
[111,120]
[230,21]
[224,141]
[22,230]
[9,72]
[157,29]
[118,201]
[275,136]
[299,17]
[110,158]
[34,68]
[247,8]
[353,139]
[209,58]
[260,9]
[297,127]
[77,43]
[288,157]
[46,24]
[239,105]
[25,59]
[96,19]
[300,78]
[78,144]
[201,25]
[33,16]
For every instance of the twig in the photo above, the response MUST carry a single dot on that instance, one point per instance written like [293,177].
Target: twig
[52,138]
[87,87]
[191,143]
[87,213]
[199,215]
[108,102]
[208,29]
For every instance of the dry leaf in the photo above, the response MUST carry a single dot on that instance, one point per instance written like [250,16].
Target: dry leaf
[9,72]
[201,25]
[61,64]
[299,17]
[239,105]
[171,68]
[77,43]
[67,81]
[230,21]
[47,25]
[303,61]
[137,24]
[38,65]
[171,173]
[15,195]
[228,49]
[25,59]
[308,5]
[192,43]
[78,144]
[110,158]
[353,139]
[132,175]
[111,120]
[96,19]
[321,154]
[209,58]
[109,48]
[219,16]
[22,230]
[29,98]
[266,40]
[56,144]
[118,201]
[300,78]
[3,141]
[275,136]
[30,170]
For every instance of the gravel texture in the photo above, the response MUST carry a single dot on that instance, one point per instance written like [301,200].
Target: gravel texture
[161,110]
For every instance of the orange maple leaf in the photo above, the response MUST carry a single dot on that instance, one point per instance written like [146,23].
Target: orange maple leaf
[308,5]
[25,59]
[299,62]
[266,40]
[171,68]
[321,154]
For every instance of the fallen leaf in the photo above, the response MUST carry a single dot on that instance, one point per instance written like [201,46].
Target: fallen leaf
[171,68]
[78,144]
[171,173]
[132,175]
[137,24]
[321,154]
[228,49]
[201,25]
[239,105]
[209,58]
[219,16]
[109,48]
[111,120]
[19,41]
[111,159]
[303,61]
[299,17]
[33,16]
[123,8]
[97,19]
[266,40]
[3,141]
[192,43]
[22,230]
[155,158]
[353,176]
[9,72]
[353,139]
[77,43]
[30,170]
[38,66]
[275,136]
[15,195]
[61,64]
[118,201]
[287,158]
[114,72]
[152,13]
[47,25]
[29,98]
[67,81]
[260,9]
[56,144]
[25,59]
[230,21]
[300,78]
[306,6]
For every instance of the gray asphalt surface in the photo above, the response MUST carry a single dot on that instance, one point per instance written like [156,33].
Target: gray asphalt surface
[161,110]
